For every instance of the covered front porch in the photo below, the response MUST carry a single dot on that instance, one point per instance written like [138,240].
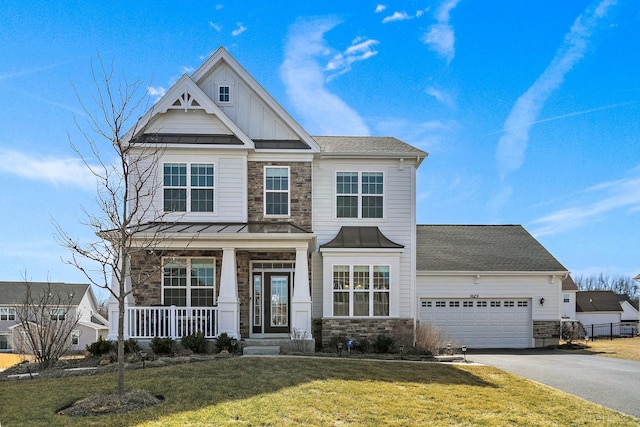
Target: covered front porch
[260,284]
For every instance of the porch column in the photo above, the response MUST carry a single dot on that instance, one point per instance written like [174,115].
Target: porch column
[301,300]
[228,303]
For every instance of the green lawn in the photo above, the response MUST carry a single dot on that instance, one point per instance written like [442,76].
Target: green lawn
[247,391]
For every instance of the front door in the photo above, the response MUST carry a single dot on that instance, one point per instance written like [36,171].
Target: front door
[271,302]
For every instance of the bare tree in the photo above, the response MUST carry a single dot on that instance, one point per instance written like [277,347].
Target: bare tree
[126,174]
[623,285]
[47,320]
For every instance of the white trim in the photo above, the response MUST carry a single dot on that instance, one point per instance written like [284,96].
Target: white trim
[264,191]
[359,195]
[189,186]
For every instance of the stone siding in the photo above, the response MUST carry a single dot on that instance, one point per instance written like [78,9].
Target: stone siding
[326,329]
[299,192]
[546,332]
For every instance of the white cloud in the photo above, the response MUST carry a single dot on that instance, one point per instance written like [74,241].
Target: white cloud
[56,171]
[397,16]
[601,199]
[241,29]
[219,6]
[380,8]
[156,92]
[321,111]
[428,135]
[440,95]
[512,145]
[215,26]
[360,50]
[441,38]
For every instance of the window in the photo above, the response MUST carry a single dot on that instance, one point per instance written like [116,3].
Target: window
[523,303]
[566,298]
[201,183]
[75,337]
[189,282]
[454,303]
[495,303]
[426,303]
[467,303]
[58,313]
[6,342]
[481,304]
[509,303]
[276,191]
[361,290]
[7,313]
[359,194]
[441,304]
[224,94]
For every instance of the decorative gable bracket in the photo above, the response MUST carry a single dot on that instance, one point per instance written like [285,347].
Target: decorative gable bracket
[185,102]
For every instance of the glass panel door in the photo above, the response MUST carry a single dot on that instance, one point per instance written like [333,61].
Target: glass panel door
[276,306]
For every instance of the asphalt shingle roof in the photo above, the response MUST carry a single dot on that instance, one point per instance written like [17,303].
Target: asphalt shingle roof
[13,293]
[597,301]
[568,284]
[508,248]
[366,145]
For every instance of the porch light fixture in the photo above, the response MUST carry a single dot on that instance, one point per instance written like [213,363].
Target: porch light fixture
[542,301]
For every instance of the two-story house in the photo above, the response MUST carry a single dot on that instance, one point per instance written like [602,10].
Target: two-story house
[261,231]
[265,230]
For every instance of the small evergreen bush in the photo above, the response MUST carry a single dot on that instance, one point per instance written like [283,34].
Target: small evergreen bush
[131,346]
[195,342]
[384,344]
[101,347]
[162,345]
[225,342]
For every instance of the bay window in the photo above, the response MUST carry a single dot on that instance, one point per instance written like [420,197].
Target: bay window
[361,290]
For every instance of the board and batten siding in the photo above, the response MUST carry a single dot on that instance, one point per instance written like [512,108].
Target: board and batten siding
[230,176]
[398,223]
[534,287]
[246,108]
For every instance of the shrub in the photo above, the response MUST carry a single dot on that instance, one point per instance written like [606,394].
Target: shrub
[195,342]
[101,347]
[363,346]
[334,344]
[131,346]
[162,345]
[384,344]
[431,338]
[225,342]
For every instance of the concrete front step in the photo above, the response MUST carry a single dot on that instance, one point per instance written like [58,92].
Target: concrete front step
[262,350]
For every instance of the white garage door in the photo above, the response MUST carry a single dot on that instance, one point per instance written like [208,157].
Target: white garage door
[481,323]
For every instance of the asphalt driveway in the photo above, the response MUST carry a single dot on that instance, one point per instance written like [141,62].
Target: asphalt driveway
[613,383]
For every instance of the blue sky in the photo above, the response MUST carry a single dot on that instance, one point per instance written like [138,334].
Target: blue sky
[530,111]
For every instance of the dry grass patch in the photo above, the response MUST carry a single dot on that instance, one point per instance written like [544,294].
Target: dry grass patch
[312,391]
[620,348]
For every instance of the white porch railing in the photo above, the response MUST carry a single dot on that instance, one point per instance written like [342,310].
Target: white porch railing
[170,322]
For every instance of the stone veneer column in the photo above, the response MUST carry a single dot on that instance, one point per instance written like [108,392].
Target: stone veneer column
[301,301]
[228,303]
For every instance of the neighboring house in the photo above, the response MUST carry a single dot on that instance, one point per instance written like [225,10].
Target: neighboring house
[598,307]
[488,285]
[79,298]
[629,308]
[569,290]
[267,231]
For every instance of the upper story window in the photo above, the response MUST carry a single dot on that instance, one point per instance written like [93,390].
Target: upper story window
[7,313]
[189,282]
[566,298]
[58,313]
[361,290]
[276,191]
[224,94]
[195,190]
[359,194]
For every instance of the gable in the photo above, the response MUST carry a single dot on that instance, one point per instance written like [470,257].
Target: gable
[249,106]
[14,293]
